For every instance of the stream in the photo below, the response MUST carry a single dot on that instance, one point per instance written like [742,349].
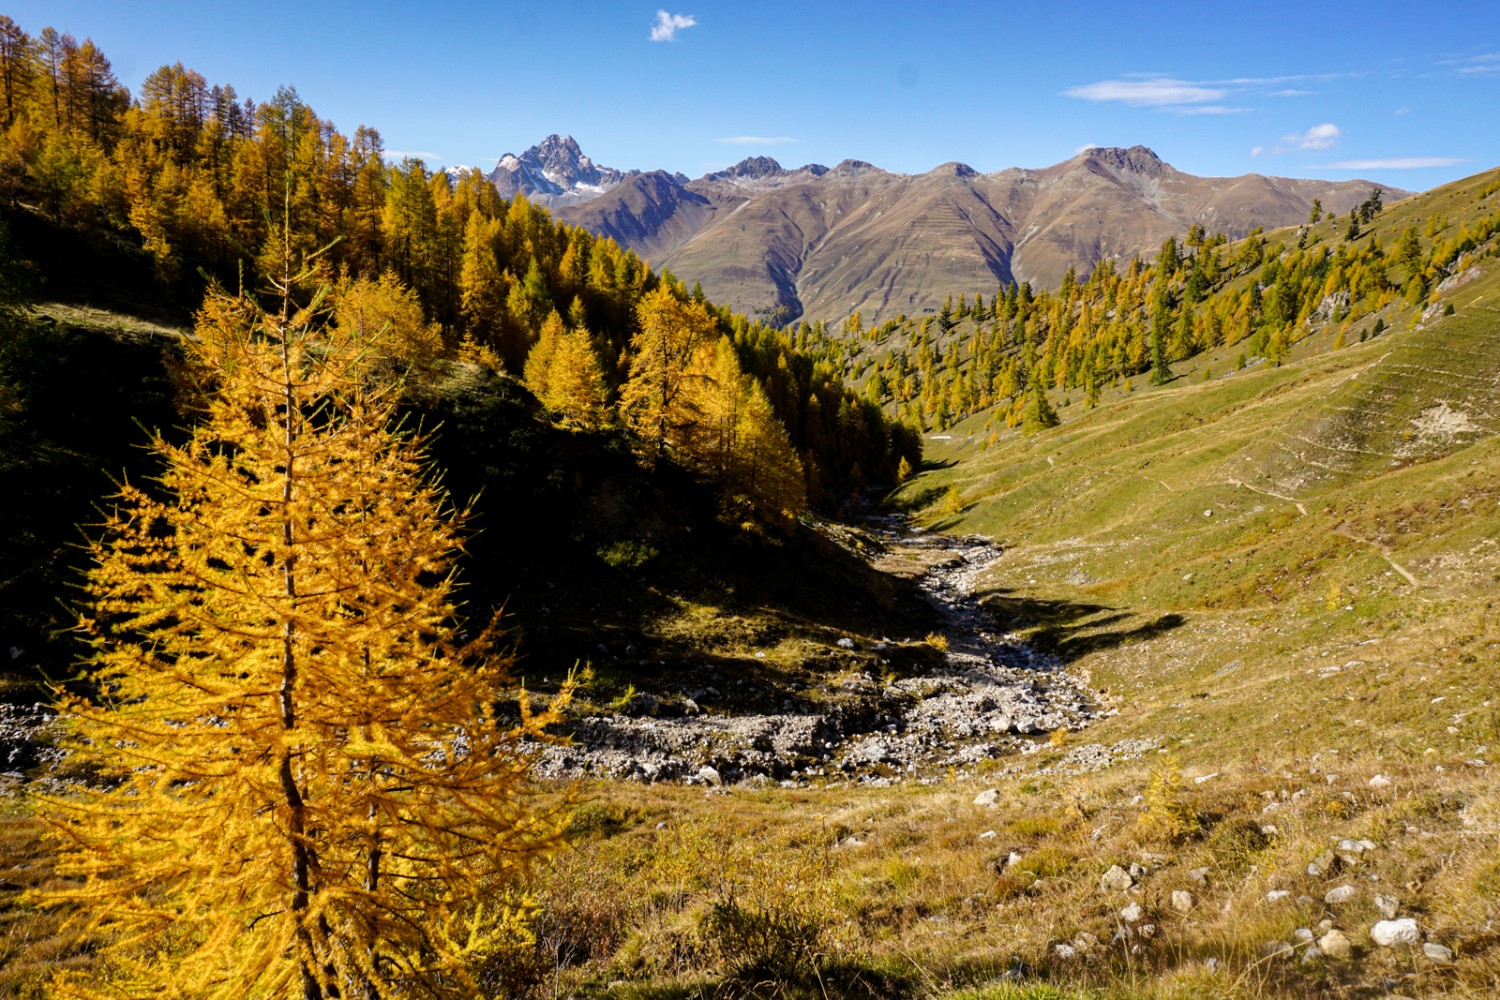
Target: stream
[990,696]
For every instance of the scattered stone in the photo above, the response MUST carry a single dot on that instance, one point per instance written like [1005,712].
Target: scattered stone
[1390,933]
[1437,952]
[1148,931]
[1303,935]
[1198,875]
[709,775]
[1132,914]
[1335,944]
[1137,872]
[1340,894]
[1085,942]
[1209,512]
[988,835]
[988,797]
[1205,777]
[1277,949]
[1064,951]
[1277,895]
[1388,906]
[846,643]
[1116,879]
[1380,781]
[1182,901]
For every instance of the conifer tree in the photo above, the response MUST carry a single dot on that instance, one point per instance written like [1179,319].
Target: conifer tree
[308,791]
[655,401]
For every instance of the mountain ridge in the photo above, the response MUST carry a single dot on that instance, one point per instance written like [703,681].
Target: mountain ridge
[824,243]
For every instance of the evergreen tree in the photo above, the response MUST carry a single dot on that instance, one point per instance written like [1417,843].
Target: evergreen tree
[1039,413]
[308,791]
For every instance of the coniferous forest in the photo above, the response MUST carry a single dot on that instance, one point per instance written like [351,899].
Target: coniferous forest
[406,594]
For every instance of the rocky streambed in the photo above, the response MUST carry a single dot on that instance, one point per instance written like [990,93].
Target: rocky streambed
[989,695]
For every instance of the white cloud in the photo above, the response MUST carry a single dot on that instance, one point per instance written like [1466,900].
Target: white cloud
[756,140]
[1487,64]
[1396,163]
[1206,109]
[1403,110]
[1318,137]
[1154,93]
[1085,148]
[667,25]
[1256,151]
[1322,136]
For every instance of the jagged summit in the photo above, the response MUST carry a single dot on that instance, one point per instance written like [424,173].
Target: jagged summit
[1136,159]
[751,168]
[554,171]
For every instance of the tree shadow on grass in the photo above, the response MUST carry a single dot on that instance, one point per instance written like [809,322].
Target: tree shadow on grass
[1070,630]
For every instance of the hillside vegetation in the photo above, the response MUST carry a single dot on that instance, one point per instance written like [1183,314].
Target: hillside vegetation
[1281,578]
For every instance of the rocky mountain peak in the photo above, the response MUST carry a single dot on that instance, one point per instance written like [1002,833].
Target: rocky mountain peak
[749,169]
[554,170]
[1136,160]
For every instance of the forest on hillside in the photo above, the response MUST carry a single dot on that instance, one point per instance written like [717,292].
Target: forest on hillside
[208,187]
[1204,293]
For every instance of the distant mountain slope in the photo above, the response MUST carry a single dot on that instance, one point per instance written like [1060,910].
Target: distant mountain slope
[825,243]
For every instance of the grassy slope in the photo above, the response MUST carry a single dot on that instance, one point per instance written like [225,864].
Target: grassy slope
[1283,577]
[1276,647]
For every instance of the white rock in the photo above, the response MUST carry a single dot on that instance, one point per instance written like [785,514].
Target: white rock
[1182,901]
[1277,949]
[1388,906]
[1199,875]
[709,776]
[1276,895]
[988,797]
[1148,931]
[1132,914]
[988,835]
[1437,952]
[1389,933]
[1064,951]
[1205,777]
[1380,781]
[1340,894]
[1116,879]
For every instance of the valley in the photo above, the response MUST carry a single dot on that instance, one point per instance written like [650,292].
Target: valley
[830,583]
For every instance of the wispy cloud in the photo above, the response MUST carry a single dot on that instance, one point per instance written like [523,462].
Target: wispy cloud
[1485,64]
[1205,109]
[1396,163]
[1160,92]
[1322,136]
[416,154]
[1085,148]
[667,25]
[756,140]
[1164,92]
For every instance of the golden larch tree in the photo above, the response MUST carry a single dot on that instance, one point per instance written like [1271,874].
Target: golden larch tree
[656,401]
[304,787]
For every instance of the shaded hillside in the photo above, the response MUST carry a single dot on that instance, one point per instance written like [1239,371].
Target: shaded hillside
[828,243]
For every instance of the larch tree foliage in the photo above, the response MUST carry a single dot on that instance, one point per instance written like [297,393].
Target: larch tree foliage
[308,791]
[656,401]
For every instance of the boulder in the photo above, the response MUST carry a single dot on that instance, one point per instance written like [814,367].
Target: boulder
[1390,933]
[1183,901]
[988,797]
[1116,879]
[1340,894]
[1335,944]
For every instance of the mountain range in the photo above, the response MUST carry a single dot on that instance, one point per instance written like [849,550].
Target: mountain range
[823,243]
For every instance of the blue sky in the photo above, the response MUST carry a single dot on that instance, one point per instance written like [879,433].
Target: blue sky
[1402,94]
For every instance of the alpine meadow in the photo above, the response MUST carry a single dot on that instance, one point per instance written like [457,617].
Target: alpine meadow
[1066,582]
